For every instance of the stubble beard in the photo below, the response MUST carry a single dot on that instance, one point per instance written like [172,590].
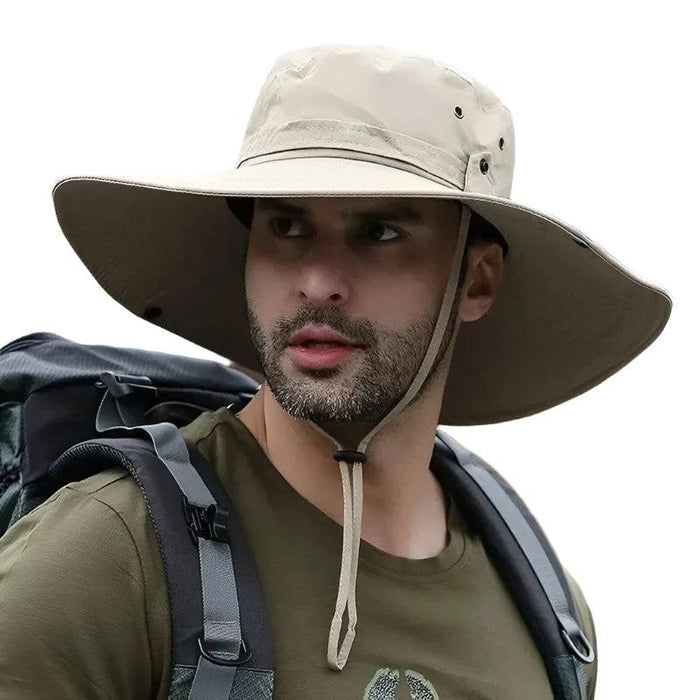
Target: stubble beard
[364,388]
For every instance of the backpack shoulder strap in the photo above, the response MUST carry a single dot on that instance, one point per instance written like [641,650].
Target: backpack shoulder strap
[525,559]
[222,642]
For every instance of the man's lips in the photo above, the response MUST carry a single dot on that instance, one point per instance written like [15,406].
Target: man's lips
[320,334]
[323,356]
[315,343]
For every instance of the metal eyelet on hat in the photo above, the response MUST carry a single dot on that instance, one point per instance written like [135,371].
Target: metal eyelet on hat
[484,166]
[458,112]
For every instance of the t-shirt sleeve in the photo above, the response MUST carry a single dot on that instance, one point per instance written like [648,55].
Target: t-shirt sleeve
[585,618]
[72,604]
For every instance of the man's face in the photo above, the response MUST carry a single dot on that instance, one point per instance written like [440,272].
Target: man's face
[375,279]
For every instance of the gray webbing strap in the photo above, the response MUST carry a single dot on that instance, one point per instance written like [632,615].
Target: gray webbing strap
[532,549]
[222,626]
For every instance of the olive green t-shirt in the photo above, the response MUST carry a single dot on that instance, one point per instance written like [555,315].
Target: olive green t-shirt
[84,607]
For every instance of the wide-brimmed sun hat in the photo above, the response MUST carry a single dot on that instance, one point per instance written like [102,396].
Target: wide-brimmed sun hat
[372,121]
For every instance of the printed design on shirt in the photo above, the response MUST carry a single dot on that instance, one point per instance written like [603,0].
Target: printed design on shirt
[386,681]
[383,685]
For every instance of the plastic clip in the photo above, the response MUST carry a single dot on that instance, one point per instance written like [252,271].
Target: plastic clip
[122,384]
[208,522]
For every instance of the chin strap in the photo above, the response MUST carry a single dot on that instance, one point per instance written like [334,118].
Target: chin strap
[352,488]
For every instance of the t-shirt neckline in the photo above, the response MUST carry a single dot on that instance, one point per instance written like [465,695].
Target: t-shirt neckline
[443,565]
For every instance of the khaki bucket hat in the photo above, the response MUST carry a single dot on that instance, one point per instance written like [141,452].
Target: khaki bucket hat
[373,121]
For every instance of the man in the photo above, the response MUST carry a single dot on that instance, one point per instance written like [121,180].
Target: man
[350,279]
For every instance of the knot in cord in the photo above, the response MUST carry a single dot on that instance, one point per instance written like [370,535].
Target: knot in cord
[349,456]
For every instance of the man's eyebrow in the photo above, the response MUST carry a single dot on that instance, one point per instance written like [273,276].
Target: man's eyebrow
[389,212]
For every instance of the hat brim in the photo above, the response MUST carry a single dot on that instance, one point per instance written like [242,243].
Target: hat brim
[567,315]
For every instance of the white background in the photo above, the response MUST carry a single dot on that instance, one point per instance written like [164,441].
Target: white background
[604,99]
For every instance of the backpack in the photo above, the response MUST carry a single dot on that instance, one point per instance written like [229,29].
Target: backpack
[69,409]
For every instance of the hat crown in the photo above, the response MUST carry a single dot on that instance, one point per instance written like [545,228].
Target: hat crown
[382,104]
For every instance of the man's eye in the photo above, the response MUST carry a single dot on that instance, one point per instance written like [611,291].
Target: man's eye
[281,230]
[284,227]
[379,226]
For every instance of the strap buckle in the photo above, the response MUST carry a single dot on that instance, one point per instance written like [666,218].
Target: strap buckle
[122,384]
[208,522]
[245,656]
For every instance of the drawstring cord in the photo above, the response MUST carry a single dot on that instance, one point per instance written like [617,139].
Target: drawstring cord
[352,488]
[352,523]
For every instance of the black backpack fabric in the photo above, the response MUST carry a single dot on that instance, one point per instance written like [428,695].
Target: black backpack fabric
[67,409]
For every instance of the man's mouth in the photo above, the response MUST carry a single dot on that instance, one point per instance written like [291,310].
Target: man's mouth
[313,354]
[321,346]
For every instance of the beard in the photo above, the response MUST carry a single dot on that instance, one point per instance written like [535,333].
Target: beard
[364,388]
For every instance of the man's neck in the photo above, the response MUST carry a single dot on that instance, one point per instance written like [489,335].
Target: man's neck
[404,506]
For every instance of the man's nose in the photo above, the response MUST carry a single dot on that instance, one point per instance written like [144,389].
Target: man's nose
[324,274]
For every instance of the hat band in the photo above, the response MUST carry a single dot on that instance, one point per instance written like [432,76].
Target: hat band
[344,153]
[367,141]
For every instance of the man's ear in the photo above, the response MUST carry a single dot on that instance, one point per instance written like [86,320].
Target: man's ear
[482,280]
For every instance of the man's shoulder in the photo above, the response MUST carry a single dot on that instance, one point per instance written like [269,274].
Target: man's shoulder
[115,488]
[101,519]
[83,593]
[104,483]
[104,503]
